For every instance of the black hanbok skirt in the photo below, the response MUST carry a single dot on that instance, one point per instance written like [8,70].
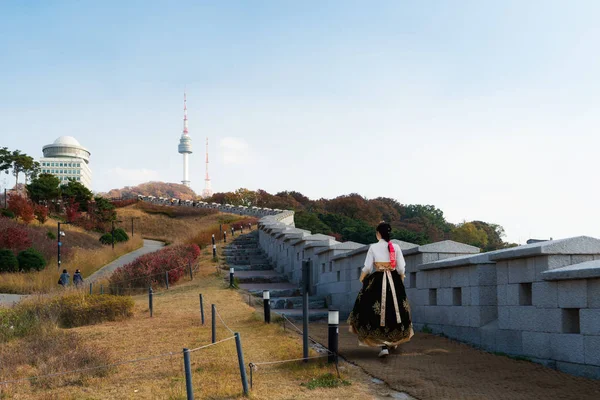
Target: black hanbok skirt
[365,319]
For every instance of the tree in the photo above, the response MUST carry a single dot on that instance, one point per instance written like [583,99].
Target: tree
[245,197]
[5,159]
[494,233]
[469,233]
[72,211]
[78,192]
[21,163]
[103,210]
[8,261]
[31,259]
[22,207]
[43,188]
[41,213]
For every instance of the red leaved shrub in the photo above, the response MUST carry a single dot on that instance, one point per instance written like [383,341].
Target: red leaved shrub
[72,211]
[150,269]
[22,207]
[41,213]
[14,238]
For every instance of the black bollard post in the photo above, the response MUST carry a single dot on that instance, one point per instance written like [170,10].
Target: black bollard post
[232,231]
[201,309]
[188,374]
[191,272]
[214,248]
[224,237]
[150,301]
[238,346]
[167,279]
[231,270]
[267,306]
[101,289]
[305,275]
[241,229]
[91,287]
[333,320]
[214,322]
[220,228]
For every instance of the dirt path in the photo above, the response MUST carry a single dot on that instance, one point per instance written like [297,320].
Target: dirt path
[430,367]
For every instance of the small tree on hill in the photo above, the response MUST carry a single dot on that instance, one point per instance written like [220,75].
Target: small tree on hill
[43,188]
[8,261]
[31,259]
[78,192]
[22,207]
[72,210]
[41,213]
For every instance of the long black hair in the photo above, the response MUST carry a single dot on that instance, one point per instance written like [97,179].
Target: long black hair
[385,230]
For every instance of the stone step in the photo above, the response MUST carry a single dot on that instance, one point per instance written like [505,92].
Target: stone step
[260,278]
[247,260]
[248,267]
[275,289]
[286,303]
[243,252]
[317,314]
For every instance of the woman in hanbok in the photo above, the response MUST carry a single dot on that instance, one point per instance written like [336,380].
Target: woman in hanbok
[381,313]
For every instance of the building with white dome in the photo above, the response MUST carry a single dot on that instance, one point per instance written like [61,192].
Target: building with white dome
[66,158]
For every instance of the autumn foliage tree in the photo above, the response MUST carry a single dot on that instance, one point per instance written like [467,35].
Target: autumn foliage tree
[41,213]
[72,211]
[22,207]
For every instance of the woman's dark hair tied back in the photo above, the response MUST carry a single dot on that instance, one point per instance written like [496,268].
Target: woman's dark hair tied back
[384,230]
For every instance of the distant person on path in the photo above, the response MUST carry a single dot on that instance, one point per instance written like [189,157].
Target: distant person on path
[381,313]
[77,278]
[64,279]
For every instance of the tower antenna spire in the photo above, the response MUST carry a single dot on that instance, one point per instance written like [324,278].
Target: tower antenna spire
[185,143]
[207,192]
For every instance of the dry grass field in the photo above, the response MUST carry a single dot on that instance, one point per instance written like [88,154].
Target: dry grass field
[175,325]
[84,252]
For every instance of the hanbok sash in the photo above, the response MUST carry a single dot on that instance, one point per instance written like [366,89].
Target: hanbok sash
[387,269]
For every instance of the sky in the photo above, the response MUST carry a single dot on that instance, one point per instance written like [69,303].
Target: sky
[486,109]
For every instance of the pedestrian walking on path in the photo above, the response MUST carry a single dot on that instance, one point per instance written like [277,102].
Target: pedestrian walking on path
[77,278]
[381,313]
[64,279]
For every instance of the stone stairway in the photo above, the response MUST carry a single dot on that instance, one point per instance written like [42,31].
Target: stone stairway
[254,274]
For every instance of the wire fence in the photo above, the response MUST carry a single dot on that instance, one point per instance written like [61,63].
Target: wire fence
[252,366]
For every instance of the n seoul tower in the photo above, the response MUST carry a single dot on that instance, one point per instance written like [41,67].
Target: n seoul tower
[185,145]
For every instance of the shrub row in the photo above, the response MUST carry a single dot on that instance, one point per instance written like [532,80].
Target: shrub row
[119,234]
[26,260]
[150,269]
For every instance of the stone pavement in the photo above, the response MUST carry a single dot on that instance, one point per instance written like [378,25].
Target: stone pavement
[430,367]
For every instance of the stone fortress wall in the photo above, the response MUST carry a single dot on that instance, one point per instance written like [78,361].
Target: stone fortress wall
[541,300]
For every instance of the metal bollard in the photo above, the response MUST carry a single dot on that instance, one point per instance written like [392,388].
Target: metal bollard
[267,305]
[231,277]
[220,228]
[191,272]
[150,301]
[91,287]
[201,309]
[214,322]
[241,229]
[238,346]
[214,248]
[101,289]
[232,231]
[224,237]
[167,279]
[305,289]
[333,320]
[188,374]
[250,226]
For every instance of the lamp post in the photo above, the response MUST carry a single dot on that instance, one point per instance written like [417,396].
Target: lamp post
[132,218]
[113,233]
[58,241]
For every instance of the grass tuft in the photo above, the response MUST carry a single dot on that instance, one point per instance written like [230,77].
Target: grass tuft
[327,381]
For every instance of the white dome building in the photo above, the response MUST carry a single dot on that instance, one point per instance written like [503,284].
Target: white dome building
[67,159]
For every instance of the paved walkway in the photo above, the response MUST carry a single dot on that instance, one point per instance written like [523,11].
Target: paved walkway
[430,367]
[149,246]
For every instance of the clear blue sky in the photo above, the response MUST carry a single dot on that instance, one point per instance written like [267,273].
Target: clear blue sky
[487,109]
